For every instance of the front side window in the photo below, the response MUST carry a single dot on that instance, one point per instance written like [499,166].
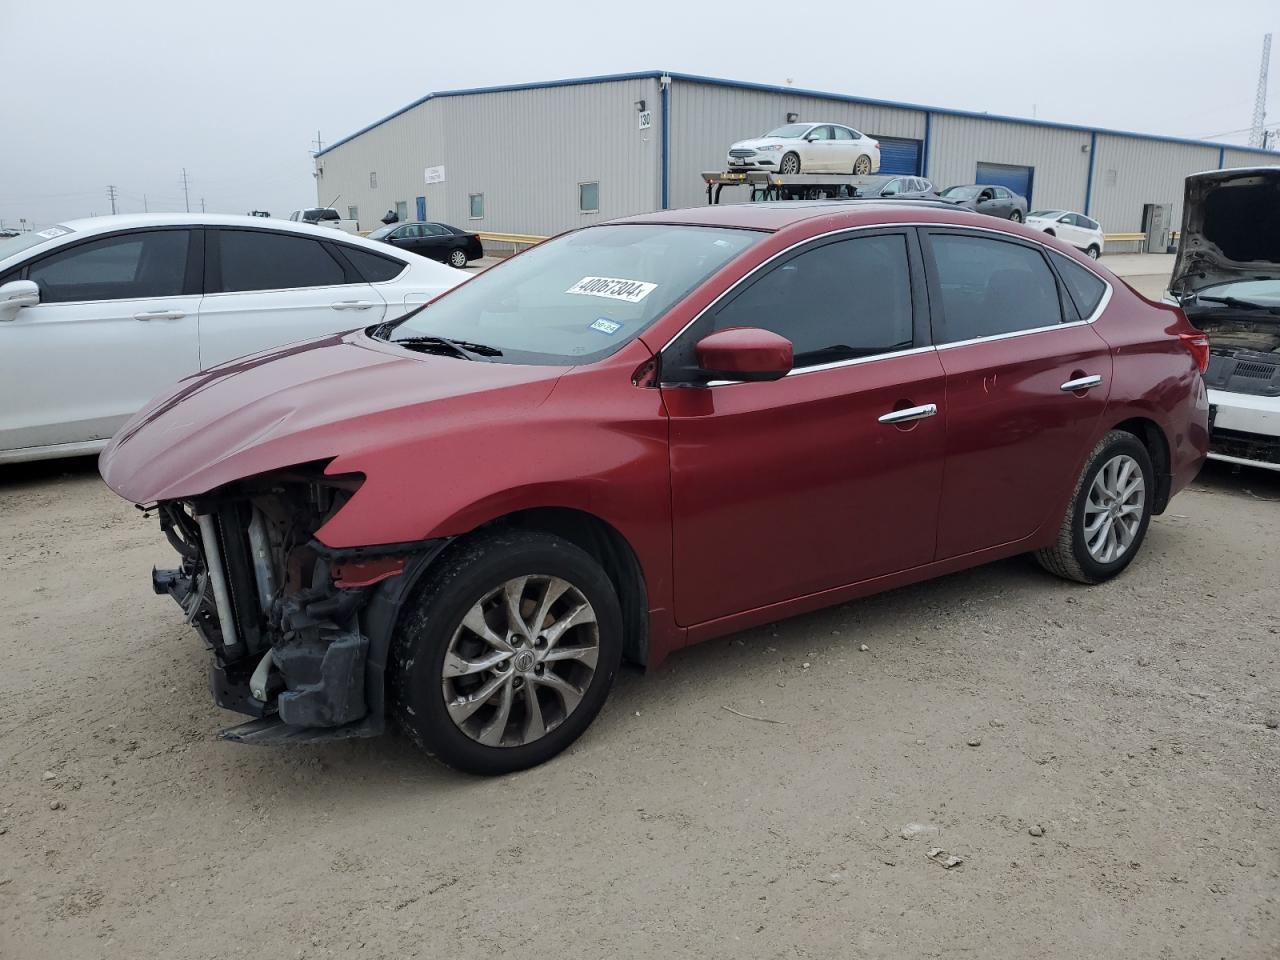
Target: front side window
[581,296]
[991,287]
[589,197]
[838,301]
[131,266]
[256,260]
[820,133]
[477,206]
[892,188]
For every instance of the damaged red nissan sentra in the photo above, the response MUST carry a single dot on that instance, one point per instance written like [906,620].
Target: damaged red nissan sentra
[644,434]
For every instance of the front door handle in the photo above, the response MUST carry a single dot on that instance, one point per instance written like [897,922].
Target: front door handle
[352,304]
[910,413]
[1081,383]
[159,315]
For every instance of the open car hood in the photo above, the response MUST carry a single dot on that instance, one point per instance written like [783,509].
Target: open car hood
[1230,229]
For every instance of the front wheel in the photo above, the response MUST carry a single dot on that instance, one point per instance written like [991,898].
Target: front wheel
[508,652]
[1110,510]
[1093,252]
[457,258]
[862,166]
[790,165]
[1016,216]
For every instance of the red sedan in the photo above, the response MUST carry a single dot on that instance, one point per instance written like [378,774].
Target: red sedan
[642,435]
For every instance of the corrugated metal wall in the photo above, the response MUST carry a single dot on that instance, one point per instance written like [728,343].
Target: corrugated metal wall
[1129,173]
[706,118]
[958,144]
[1249,158]
[526,151]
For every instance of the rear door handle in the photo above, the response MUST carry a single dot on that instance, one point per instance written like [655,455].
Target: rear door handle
[910,413]
[159,315]
[1081,383]
[351,304]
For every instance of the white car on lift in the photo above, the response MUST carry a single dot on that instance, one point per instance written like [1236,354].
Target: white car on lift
[99,315]
[1083,233]
[808,148]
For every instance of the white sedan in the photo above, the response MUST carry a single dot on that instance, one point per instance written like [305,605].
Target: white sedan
[99,315]
[1073,228]
[808,148]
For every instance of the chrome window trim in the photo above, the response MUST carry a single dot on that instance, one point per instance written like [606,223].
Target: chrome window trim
[1000,234]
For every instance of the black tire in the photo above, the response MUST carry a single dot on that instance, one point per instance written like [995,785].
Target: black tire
[1016,216]
[456,582]
[1093,252]
[1069,557]
[458,258]
[792,161]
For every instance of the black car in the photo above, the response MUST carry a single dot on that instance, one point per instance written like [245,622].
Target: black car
[989,198]
[893,186]
[439,241]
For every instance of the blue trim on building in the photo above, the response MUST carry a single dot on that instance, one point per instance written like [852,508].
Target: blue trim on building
[1088,184]
[1222,156]
[928,130]
[666,135]
[789,91]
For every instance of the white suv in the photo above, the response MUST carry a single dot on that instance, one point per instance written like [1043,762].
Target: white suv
[1073,228]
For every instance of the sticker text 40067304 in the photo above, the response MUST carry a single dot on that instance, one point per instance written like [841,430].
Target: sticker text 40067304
[613,288]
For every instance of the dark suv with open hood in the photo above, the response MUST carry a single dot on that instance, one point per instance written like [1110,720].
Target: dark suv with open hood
[1227,279]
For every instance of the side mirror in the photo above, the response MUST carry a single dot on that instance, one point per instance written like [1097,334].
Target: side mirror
[15,295]
[744,353]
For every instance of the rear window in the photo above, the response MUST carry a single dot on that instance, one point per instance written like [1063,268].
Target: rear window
[372,266]
[1082,284]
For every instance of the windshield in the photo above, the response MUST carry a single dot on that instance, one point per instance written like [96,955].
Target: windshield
[1045,214]
[11,245]
[961,193]
[579,297]
[792,131]
[383,231]
[1257,291]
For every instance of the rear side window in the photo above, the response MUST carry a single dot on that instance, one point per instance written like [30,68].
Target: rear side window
[1084,286]
[373,267]
[847,299]
[131,266]
[991,287]
[254,260]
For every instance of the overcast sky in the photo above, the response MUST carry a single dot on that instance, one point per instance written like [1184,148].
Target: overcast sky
[95,92]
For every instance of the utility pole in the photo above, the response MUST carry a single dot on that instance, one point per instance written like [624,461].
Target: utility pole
[111,195]
[1257,135]
[202,204]
[185,195]
[144,204]
[318,142]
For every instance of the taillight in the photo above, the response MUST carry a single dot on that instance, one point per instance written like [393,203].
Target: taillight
[1198,345]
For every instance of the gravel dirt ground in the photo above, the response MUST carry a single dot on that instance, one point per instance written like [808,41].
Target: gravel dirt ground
[1100,759]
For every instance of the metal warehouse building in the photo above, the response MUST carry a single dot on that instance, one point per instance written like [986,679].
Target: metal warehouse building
[540,158]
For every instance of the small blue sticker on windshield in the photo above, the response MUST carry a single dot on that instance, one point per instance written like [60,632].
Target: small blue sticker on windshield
[605,325]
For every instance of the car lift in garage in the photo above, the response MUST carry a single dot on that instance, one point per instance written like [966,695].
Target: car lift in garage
[775,186]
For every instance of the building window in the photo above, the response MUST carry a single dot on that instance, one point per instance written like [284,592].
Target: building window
[477,206]
[589,197]
[373,181]
[353,213]
[402,210]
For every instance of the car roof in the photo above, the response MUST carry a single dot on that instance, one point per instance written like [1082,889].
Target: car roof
[778,215]
[127,221]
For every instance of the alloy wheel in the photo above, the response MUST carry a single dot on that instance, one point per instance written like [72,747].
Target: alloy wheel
[520,661]
[862,166]
[790,164]
[457,259]
[1114,509]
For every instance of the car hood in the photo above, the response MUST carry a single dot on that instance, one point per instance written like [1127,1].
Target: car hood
[759,142]
[1230,229]
[342,394]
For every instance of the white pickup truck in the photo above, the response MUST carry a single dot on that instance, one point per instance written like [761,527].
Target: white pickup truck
[325,217]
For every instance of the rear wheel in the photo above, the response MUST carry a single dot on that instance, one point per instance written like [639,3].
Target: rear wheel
[508,652]
[1109,513]
[457,258]
[862,166]
[790,164]
[1093,252]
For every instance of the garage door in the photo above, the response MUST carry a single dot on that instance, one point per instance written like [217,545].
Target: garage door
[899,156]
[1018,179]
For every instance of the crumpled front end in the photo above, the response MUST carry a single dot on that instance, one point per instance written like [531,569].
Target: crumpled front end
[286,618]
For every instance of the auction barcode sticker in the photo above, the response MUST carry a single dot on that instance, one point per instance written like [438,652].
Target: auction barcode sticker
[613,288]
